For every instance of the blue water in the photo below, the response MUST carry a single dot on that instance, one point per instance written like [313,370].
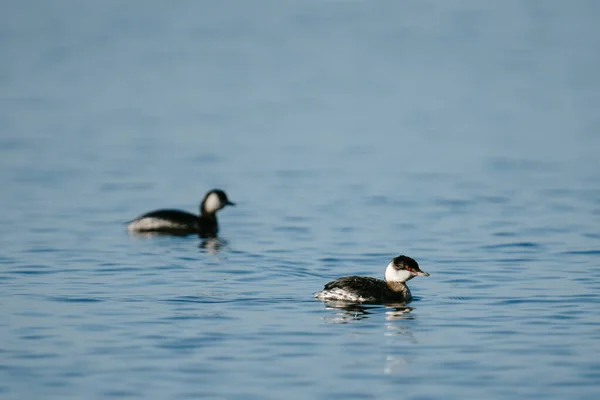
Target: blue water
[463,134]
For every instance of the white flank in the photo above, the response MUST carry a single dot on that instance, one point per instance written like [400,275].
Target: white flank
[339,294]
[150,224]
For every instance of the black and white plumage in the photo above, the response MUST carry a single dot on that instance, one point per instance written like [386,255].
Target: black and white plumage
[364,289]
[181,223]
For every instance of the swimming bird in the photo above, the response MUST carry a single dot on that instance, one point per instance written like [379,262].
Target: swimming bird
[364,289]
[181,223]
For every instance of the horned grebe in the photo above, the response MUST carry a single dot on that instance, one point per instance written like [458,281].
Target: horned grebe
[364,289]
[177,222]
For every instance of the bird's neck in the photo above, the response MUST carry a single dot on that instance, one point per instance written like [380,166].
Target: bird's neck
[397,287]
[208,215]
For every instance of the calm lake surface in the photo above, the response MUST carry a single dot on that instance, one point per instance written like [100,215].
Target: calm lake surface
[463,134]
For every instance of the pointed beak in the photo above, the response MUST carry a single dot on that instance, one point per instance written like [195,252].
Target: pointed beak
[422,273]
[230,203]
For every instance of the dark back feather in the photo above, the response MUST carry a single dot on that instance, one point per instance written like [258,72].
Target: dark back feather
[361,285]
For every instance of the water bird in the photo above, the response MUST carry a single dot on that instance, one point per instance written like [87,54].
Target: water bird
[365,289]
[181,223]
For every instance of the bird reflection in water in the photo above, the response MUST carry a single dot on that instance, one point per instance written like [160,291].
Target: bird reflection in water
[395,314]
[350,312]
[155,235]
[398,360]
[210,245]
[213,245]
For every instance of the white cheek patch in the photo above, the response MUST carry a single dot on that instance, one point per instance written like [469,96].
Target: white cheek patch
[394,275]
[212,203]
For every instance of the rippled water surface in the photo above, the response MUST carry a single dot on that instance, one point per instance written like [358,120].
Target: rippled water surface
[463,134]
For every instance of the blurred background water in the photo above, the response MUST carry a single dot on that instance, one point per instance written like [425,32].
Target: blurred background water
[464,134]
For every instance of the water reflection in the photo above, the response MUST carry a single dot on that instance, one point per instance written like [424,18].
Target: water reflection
[210,245]
[348,311]
[395,364]
[155,234]
[398,328]
[213,245]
